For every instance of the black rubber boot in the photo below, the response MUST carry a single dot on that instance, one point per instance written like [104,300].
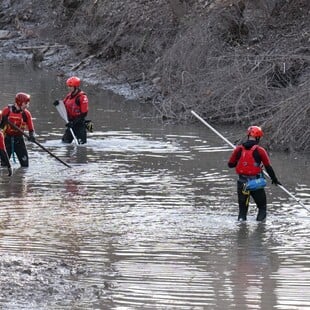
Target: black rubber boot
[241,217]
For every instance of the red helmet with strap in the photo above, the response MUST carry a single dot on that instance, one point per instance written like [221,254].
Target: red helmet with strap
[255,131]
[21,98]
[73,81]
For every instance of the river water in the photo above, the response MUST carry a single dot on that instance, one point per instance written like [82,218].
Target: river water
[146,217]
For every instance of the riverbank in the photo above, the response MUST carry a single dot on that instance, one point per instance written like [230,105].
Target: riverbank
[234,62]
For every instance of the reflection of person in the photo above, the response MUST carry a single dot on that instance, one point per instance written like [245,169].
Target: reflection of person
[248,159]
[3,153]
[19,116]
[256,264]
[76,103]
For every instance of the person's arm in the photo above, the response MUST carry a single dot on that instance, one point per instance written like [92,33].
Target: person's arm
[266,162]
[233,160]
[29,122]
[83,99]
[272,175]
[30,126]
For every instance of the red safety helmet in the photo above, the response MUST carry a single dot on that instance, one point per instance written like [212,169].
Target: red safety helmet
[21,98]
[255,131]
[73,81]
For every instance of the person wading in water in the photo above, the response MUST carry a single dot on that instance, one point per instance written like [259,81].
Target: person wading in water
[76,104]
[249,159]
[19,116]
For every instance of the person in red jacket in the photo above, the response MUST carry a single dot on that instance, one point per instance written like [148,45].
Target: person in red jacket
[249,159]
[18,115]
[3,153]
[76,103]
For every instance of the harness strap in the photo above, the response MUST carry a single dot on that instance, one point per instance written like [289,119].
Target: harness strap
[246,193]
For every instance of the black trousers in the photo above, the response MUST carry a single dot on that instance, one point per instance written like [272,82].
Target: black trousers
[16,145]
[79,131]
[259,197]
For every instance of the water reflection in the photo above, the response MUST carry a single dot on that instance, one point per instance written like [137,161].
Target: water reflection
[144,219]
[256,263]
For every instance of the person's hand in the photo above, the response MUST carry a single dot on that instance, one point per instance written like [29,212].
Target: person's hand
[89,126]
[69,125]
[10,171]
[31,137]
[275,182]
[56,103]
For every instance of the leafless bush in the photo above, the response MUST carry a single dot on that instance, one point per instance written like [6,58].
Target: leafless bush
[226,78]
[289,126]
[232,61]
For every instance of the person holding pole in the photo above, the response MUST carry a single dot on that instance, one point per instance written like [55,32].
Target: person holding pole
[15,119]
[249,159]
[233,146]
[76,104]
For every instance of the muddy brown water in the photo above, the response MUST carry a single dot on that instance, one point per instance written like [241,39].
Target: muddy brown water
[145,218]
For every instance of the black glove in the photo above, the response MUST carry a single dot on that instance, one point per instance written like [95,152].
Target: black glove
[89,125]
[10,171]
[56,103]
[70,124]
[275,182]
[31,137]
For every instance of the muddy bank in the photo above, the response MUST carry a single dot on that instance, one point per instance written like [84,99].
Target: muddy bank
[243,62]
[31,281]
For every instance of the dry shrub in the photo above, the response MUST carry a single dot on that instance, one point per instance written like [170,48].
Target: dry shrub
[232,61]
[289,126]
[129,33]
[218,70]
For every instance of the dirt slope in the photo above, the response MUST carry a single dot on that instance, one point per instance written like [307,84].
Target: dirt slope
[244,62]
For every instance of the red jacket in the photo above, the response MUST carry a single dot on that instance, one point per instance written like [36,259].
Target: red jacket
[21,119]
[248,161]
[76,105]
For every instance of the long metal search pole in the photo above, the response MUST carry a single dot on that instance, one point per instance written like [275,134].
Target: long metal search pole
[233,146]
[60,106]
[38,144]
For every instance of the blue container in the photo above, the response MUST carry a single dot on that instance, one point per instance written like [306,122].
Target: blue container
[255,184]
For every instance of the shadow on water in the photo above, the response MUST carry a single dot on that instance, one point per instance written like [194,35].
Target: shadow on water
[144,219]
